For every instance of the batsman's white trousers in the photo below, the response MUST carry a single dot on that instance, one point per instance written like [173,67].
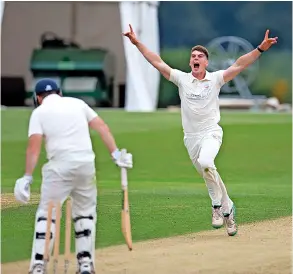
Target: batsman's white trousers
[203,149]
[70,179]
[60,181]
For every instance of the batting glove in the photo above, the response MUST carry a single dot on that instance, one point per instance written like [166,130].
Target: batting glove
[22,189]
[120,160]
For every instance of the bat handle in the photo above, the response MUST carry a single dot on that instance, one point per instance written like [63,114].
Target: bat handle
[124,171]
[124,181]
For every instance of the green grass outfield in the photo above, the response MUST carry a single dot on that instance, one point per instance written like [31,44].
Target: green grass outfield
[167,196]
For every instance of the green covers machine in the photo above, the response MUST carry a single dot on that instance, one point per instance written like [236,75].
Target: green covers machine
[87,74]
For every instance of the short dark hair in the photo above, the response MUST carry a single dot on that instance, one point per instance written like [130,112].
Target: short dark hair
[201,49]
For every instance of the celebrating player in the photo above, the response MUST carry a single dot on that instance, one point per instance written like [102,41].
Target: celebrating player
[198,91]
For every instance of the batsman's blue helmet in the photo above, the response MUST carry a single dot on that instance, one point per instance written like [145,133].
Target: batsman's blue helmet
[43,86]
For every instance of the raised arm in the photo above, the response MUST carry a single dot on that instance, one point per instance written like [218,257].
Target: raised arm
[154,59]
[246,60]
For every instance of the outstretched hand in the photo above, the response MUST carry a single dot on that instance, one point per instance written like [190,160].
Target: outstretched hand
[268,42]
[131,35]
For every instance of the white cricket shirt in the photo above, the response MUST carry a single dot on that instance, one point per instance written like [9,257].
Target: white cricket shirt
[200,110]
[63,121]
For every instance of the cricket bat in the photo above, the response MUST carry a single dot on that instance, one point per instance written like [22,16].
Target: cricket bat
[125,214]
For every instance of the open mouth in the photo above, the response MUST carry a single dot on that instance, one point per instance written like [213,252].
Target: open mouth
[196,65]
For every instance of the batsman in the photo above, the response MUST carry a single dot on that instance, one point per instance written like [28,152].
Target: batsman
[64,124]
[200,112]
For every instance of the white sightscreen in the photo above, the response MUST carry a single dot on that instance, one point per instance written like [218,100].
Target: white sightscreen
[1,10]
[142,80]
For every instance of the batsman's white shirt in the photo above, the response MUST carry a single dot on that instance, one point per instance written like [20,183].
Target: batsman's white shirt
[63,121]
[200,109]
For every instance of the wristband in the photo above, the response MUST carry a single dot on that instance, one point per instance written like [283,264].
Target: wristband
[260,50]
[115,154]
[28,177]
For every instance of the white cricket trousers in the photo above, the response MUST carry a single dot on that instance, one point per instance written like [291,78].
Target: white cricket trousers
[203,149]
[60,181]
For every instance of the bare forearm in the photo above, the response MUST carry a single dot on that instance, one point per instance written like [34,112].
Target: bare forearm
[31,161]
[151,57]
[154,59]
[247,59]
[108,139]
[101,127]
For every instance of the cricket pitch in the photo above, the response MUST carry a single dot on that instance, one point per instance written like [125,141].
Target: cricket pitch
[263,247]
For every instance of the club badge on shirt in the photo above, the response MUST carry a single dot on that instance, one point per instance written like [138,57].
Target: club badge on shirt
[201,93]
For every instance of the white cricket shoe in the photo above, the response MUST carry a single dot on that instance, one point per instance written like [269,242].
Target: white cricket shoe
[86,266]
[38,269]
[230,222]
[217,217]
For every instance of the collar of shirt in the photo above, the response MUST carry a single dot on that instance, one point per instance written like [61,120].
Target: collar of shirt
[206,78]
[51,97]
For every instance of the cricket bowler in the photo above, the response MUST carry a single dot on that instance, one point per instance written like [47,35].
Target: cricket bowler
[200,112]
[64,124]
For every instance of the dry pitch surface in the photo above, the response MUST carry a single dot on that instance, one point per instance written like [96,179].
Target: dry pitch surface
[263,247]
